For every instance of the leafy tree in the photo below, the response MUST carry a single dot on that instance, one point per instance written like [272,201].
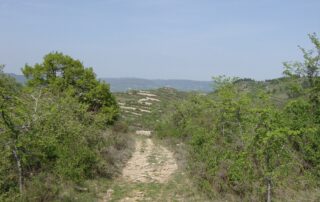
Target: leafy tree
[307,72]
[11,125]
[53,131]
[61,73]
[305,113]
[241,142]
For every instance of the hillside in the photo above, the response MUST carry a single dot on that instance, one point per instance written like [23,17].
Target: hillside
[124,84]
[143,108]
[19,78]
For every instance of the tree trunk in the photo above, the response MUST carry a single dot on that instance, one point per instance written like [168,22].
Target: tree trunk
[16,156]
[268,190]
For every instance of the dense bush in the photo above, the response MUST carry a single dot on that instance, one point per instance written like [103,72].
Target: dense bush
[243,143]
[52,131]
[61,73]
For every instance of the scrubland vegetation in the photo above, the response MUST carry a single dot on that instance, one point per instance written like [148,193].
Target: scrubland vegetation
[64,137]
[56,131]
[254,140]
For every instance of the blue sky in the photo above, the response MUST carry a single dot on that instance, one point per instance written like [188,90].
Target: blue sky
[166,39]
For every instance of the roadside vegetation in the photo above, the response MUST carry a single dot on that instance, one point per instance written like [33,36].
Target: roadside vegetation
[57,131]
[254,141]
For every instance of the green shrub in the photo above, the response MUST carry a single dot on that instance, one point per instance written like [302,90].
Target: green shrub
[52,131]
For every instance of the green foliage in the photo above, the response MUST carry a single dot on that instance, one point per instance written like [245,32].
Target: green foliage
[52,131]
[61,73]
[237,140]
[306,74]
[241,141]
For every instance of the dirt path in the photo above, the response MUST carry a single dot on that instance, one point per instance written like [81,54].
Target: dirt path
[152,174]
[150,163]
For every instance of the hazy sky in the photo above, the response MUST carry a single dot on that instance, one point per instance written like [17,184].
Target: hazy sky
[190,39]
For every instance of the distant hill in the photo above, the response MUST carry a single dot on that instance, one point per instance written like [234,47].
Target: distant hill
[124,84]
[19,78]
